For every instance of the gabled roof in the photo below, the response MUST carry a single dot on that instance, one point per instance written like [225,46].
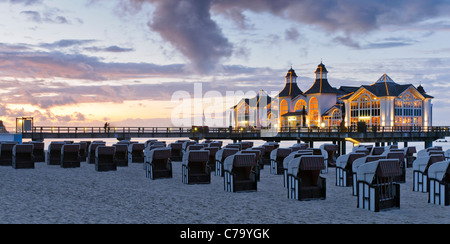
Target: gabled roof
[383,87]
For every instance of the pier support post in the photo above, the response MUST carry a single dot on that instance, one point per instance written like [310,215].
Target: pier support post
[428,143]
[405,144]
[311,144]
[343,147]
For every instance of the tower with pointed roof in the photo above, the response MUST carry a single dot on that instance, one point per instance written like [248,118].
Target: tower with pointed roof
[320,97]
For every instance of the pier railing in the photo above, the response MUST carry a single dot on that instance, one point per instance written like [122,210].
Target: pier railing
[284,133]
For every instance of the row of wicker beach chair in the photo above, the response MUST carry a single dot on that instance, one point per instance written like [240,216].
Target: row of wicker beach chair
[375,174]
[240,164]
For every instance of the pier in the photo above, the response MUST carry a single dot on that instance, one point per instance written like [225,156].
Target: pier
[377,135]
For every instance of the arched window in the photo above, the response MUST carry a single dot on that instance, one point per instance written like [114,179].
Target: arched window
[284,107]
[365,108]
[313,112]
[408,111]
[336,118]
[299,105]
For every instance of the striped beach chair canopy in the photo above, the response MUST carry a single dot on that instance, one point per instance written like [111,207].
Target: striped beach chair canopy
[224,153]
[239,160]
[306,162]
[159,153]
[381,168]
[195,156]
[439,170]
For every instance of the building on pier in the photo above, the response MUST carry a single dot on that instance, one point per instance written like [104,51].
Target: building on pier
[383,103]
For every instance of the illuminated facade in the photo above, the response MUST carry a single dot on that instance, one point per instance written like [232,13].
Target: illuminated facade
[384,103]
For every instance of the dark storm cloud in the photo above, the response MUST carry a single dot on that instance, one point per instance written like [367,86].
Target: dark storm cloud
[188,26]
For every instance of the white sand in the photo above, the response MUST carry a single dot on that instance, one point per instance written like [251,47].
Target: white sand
[50,194]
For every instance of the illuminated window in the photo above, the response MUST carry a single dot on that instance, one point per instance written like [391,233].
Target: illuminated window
[336,118]
[283,107]
[313,112]
[407,111]
[365,108]
[300,105]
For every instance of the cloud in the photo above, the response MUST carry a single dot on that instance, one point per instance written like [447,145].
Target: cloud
[113,49]
[189,27]
[25,2]
[66,43]
[379,44]
[49,17]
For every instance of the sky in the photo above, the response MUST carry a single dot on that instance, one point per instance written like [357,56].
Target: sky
[136,62]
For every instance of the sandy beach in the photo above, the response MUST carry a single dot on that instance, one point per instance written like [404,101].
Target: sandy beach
[51,194]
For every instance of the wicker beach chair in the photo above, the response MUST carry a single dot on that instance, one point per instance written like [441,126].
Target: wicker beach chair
[185,146]
[70,156]
[136,153]
[399,154]
[234,145]
[220,157]
[246,145]
[91,151]
[6,153]
[150,146]
[240,173]
[158,163]
[176,151]
[38,151]
[22,156]
[377,151]
[194,167]
[358,162]
[121,155]
[195,147]
[212,156]
[83,150]
[344,176]
[420,171]
[439,183]
[331,150]
[303,178]
[377,189]
[268,148]
[257,154]
[409,154]
[300,146]
[54,153]
[104,158]
[288,159]
[276,160]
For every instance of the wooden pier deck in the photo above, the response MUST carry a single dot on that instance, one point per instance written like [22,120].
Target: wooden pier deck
[377,135]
